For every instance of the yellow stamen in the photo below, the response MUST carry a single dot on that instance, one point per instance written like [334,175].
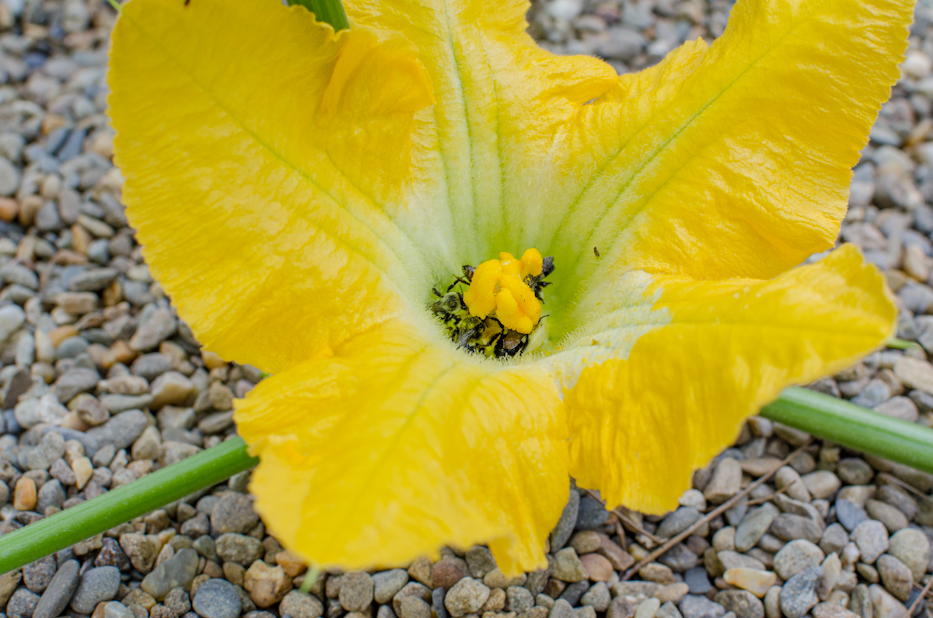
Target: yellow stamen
[498,285]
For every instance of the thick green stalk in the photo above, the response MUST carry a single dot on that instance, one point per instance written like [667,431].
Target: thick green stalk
[123,504]
[330,11]
[854,426]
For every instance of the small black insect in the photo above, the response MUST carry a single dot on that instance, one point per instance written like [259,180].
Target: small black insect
[595,251]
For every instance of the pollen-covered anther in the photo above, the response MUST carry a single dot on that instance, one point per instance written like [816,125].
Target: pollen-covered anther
[498,285]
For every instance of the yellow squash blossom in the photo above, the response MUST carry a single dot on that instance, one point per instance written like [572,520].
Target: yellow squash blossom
[302,194]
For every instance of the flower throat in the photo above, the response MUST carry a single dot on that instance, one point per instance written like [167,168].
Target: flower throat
[501,306]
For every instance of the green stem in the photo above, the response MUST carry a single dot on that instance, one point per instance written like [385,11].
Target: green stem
[115,507]
[330,11]
[822,415]
[854,427]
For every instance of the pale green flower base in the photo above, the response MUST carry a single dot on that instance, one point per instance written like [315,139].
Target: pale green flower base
[821,415]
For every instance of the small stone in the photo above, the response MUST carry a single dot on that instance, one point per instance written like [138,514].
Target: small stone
[734,560]
[22,604]
[24,494]
[420,571]
[789,527]
[620,607]
[890,516]
[413,607]
[753,526]
[239,548]
[797,556]
[789,480]
[798,594]
[172,389]
[598,597]
[672,593]
[115,609]
[446,572]
[698,581]
[694,606]
[141,549]
[596,567]
[895,576]
[45,409]
[112,555]
[755,581]
[849,514]
[821,484]
[677,522]
[176,572]
[567,566]
[743,603]
[411,589]
[59,591]
[914,373]
[912,547]
[233,513]
[480,559]
[356,591]
[560,609]
[268,585]
[855,471]
[467,596]
[831,610]
[299,604]
[668,610]
[74,381]
[121,430]
[647,608]
[217,598]
[38,574]
[83,470]
[884,605]
[725,482]
[97,585]
[591,514]
[834,539]
[159,325]
[387,584]
[871,537]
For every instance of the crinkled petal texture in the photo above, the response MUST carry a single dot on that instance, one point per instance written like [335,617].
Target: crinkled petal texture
[641,426]
[265,161]
[394,447]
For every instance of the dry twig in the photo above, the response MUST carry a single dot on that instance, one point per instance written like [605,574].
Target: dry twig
[625,518]
[919,599]
[722,508]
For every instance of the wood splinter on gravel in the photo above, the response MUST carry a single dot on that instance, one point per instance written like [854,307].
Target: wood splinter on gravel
[625,518]
[722,508]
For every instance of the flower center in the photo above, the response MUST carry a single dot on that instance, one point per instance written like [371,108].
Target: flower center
[501,306]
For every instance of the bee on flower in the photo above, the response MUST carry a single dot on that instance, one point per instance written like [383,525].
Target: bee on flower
[307,197]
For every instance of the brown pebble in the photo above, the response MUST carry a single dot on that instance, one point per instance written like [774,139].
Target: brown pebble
[290,563]
[24,496]
[9,208]
[598,568]
[61,333]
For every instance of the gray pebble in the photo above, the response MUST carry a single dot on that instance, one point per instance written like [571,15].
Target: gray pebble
[798,594]
[59,591]
[871,537]
[698,581]
[22,604]
[562,531]
[177,571]
[115,609]
[37,575]
[466,597]
[591,514]
[217,598]
[386,584]
[299,604]
[754,525]
[695,606]
[850,515]
[96,585]
[742,602]
[238,548]
[121,430]
[233,513]
[356,591]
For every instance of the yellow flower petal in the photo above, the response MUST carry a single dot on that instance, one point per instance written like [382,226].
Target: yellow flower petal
[264,162]
[394,447]
[731,161]
[502,102]
[639,427]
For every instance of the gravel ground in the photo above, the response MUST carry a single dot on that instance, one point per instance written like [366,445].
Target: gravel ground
[101,384]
